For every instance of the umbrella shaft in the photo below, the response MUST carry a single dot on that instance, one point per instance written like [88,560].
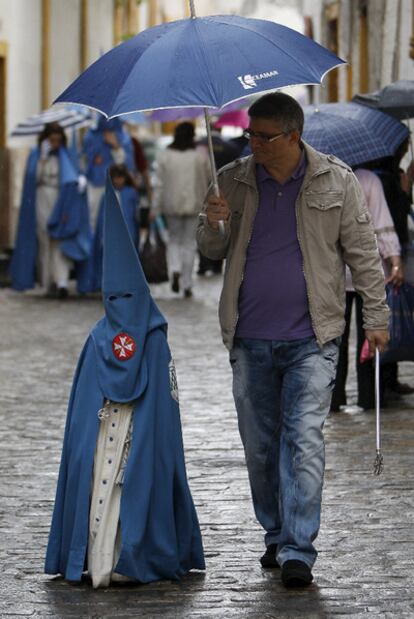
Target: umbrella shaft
[377,398]
[211,153]
[192,8]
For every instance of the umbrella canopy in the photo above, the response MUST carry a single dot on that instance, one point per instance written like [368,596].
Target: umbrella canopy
[199,62]
[396,99]
[352,132]
[237,118]
[189,113]
[138,118]
[66,117]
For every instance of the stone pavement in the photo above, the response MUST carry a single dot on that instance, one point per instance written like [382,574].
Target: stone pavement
[366,544]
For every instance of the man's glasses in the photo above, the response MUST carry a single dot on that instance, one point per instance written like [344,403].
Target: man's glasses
[262,137]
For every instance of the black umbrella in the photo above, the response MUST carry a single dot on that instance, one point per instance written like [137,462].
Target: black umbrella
[396,99]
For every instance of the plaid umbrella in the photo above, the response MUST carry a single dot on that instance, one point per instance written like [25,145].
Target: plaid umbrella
[354,133]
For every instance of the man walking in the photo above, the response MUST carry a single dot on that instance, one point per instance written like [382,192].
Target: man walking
[292,218]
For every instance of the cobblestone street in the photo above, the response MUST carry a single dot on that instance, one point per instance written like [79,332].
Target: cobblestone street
[366,544]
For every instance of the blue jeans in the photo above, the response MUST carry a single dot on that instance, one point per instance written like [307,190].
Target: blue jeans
[282,392]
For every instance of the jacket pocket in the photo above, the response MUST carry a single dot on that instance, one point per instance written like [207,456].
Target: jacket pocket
[324,201]
[366,232]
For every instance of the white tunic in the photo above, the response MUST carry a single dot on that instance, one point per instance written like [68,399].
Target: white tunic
[111,455]
[54,266]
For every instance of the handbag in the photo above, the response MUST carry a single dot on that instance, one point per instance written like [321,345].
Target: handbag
[153,254]
[401,325]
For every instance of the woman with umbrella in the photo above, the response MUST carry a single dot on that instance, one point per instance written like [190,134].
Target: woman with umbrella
[53,228]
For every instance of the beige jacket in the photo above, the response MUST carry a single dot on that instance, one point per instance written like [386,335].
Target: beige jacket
[182,181]
[334,228]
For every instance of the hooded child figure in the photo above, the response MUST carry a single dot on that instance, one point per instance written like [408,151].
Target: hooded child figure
[123,507]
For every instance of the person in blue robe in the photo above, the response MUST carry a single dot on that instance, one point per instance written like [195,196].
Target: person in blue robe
[107,144]
[103,146]
[138,497]
[53,232]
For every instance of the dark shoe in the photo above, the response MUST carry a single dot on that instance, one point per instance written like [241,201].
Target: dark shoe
[269,558]
[402,388]
[62,293]
[188,293]
[296,574]
[175,284]
[52,291]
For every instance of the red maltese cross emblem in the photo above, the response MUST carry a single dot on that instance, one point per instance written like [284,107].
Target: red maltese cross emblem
[123,346]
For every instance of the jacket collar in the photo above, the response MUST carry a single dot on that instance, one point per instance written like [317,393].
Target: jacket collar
[317,163]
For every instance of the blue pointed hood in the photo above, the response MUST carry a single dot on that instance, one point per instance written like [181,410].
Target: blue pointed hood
[130,312]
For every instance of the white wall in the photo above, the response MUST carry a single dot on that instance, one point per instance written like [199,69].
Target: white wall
[406,64]
[64,45]
[20,28]
[100,28]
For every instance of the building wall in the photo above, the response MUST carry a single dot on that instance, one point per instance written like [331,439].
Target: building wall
[389,28]
[100,28]
[64,45]
[376,52]
[20,28]
[405,68]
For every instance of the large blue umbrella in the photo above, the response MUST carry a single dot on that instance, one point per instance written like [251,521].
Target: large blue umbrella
[354,133]
[199,62]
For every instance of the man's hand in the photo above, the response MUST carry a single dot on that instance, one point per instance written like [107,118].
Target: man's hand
[377,339]
[217,210]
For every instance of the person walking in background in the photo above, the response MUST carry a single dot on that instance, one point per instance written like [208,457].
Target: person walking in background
[143,180]
[292,218]
[183,175]
[389,249]
[397,190]
[103,146]
[53,233]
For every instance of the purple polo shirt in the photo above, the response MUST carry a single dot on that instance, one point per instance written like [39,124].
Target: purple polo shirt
[273,303]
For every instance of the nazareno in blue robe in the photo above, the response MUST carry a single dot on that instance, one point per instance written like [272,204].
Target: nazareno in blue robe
[160,535]
[99,153]
[68,222]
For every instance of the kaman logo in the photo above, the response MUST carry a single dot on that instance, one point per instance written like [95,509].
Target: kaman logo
[250,81]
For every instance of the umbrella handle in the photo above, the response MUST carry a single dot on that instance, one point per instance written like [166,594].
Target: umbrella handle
[213,165]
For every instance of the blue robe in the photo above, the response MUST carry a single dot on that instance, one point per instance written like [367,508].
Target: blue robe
[99,153]
[68,222]
[160,535]
[159,528]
